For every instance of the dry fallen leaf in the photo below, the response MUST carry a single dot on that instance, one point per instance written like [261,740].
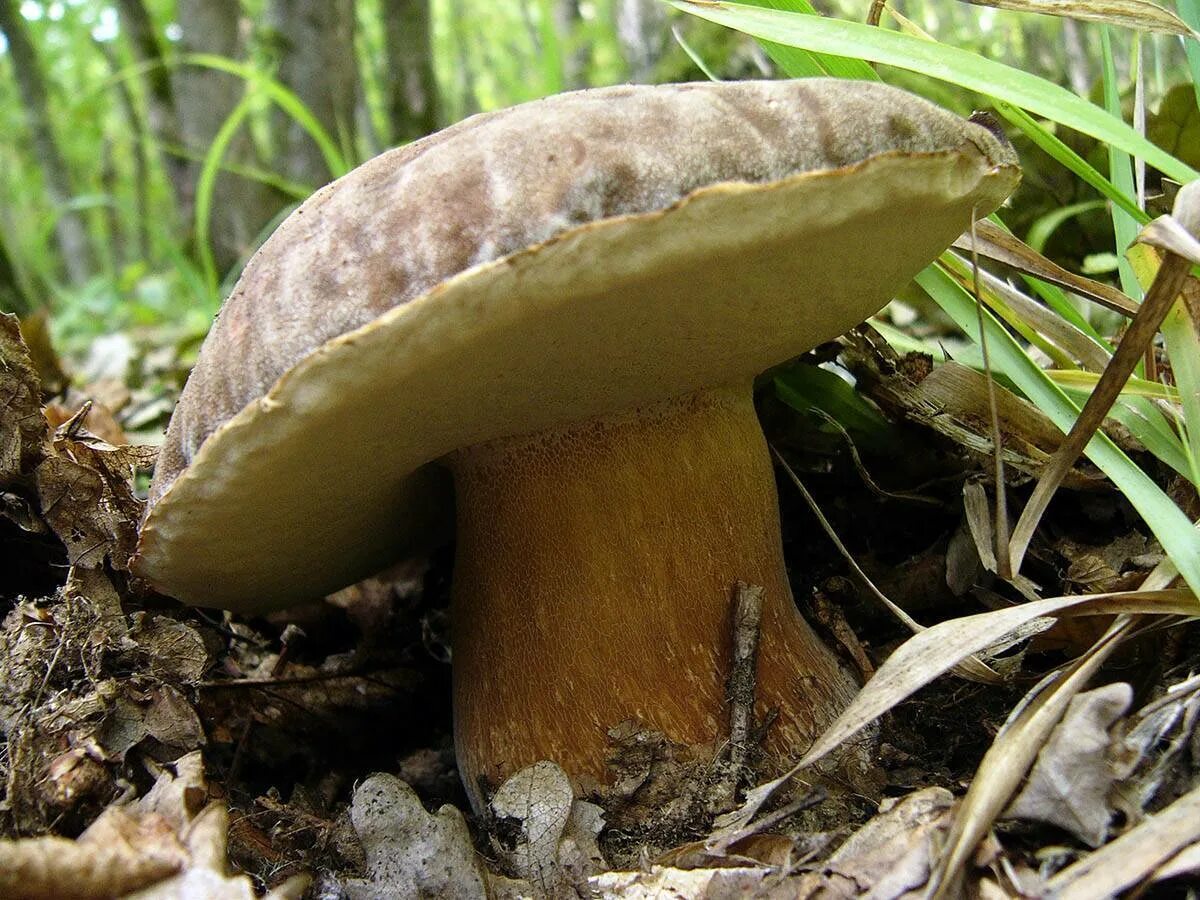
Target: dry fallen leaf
[1071,780]
[932,653]
[206,876]
[552,836]
[22,428]
[893,853]
[173,651]
[1158,743]
[665,883]
[119,853]
[171,720]
[126,848]
[85,488]
[889,857]
[411,853]
[1011,755]
[1140,854]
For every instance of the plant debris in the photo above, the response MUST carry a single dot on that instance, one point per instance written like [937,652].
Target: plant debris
[410,853]
[113,702]
[1070,783]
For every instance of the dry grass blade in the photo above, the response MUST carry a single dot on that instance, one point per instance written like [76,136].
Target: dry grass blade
[993,242]
[973,669]
[1138,14]
[1179,233]
[1167,285]
[1000,526]
[935,651]
[1012,754]
[977,512]
[1064,337]
[1136,856]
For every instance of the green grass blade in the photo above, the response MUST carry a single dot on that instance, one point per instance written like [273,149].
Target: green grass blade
[284,99]
[1040,231]
[207,181]
[693,54]
[1183,349]
[798,63]
[1135,387]
[1172,528]
[1120,173]
[969,70]
[1189,11]
[1068,158]
[805,388]
[1147,423]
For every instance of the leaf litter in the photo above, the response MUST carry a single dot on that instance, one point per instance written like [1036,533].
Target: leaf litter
[169,751]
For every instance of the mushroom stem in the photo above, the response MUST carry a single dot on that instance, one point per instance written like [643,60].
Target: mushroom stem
[595,570]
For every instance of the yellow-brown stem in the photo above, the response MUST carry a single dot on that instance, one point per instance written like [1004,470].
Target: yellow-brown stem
[593,583]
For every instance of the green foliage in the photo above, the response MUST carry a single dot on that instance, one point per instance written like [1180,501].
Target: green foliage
[1021,96]
[486,56]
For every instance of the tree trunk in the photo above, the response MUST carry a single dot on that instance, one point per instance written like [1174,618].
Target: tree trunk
[162,114]
[314,45]
[577,54]
[141,173]
[69,231]
[411,89]
[241,207]
[642,33]
[464,70]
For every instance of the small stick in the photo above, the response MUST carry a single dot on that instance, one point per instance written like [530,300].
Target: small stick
[1177,235]
[288,638]
[747,627]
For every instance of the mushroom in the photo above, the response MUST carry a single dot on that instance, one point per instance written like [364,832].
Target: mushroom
[563,305]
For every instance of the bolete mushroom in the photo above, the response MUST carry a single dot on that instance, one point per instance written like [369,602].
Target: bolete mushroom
[564,304]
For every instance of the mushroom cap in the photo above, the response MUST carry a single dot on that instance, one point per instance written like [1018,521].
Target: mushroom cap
[524,269]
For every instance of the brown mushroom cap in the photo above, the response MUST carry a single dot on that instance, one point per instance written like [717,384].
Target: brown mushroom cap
[560,260]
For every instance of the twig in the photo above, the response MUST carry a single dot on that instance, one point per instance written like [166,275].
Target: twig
[1168,282]
[865,473]
[1000,526]
[972,667]
[287,639]
[747,628]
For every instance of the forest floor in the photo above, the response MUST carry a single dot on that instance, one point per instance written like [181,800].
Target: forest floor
[153,747]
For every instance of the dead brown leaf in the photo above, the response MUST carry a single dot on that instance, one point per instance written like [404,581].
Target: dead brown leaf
[85,489]
[172,650]
[171,720]
[1135,856]
[891,854]
[23,431]
[1070,783]
[121,852]
[126,848]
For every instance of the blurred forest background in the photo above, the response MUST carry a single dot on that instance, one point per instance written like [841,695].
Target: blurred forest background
[150,145]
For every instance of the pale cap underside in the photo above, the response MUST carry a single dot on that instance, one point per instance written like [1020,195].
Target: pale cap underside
[326,478]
